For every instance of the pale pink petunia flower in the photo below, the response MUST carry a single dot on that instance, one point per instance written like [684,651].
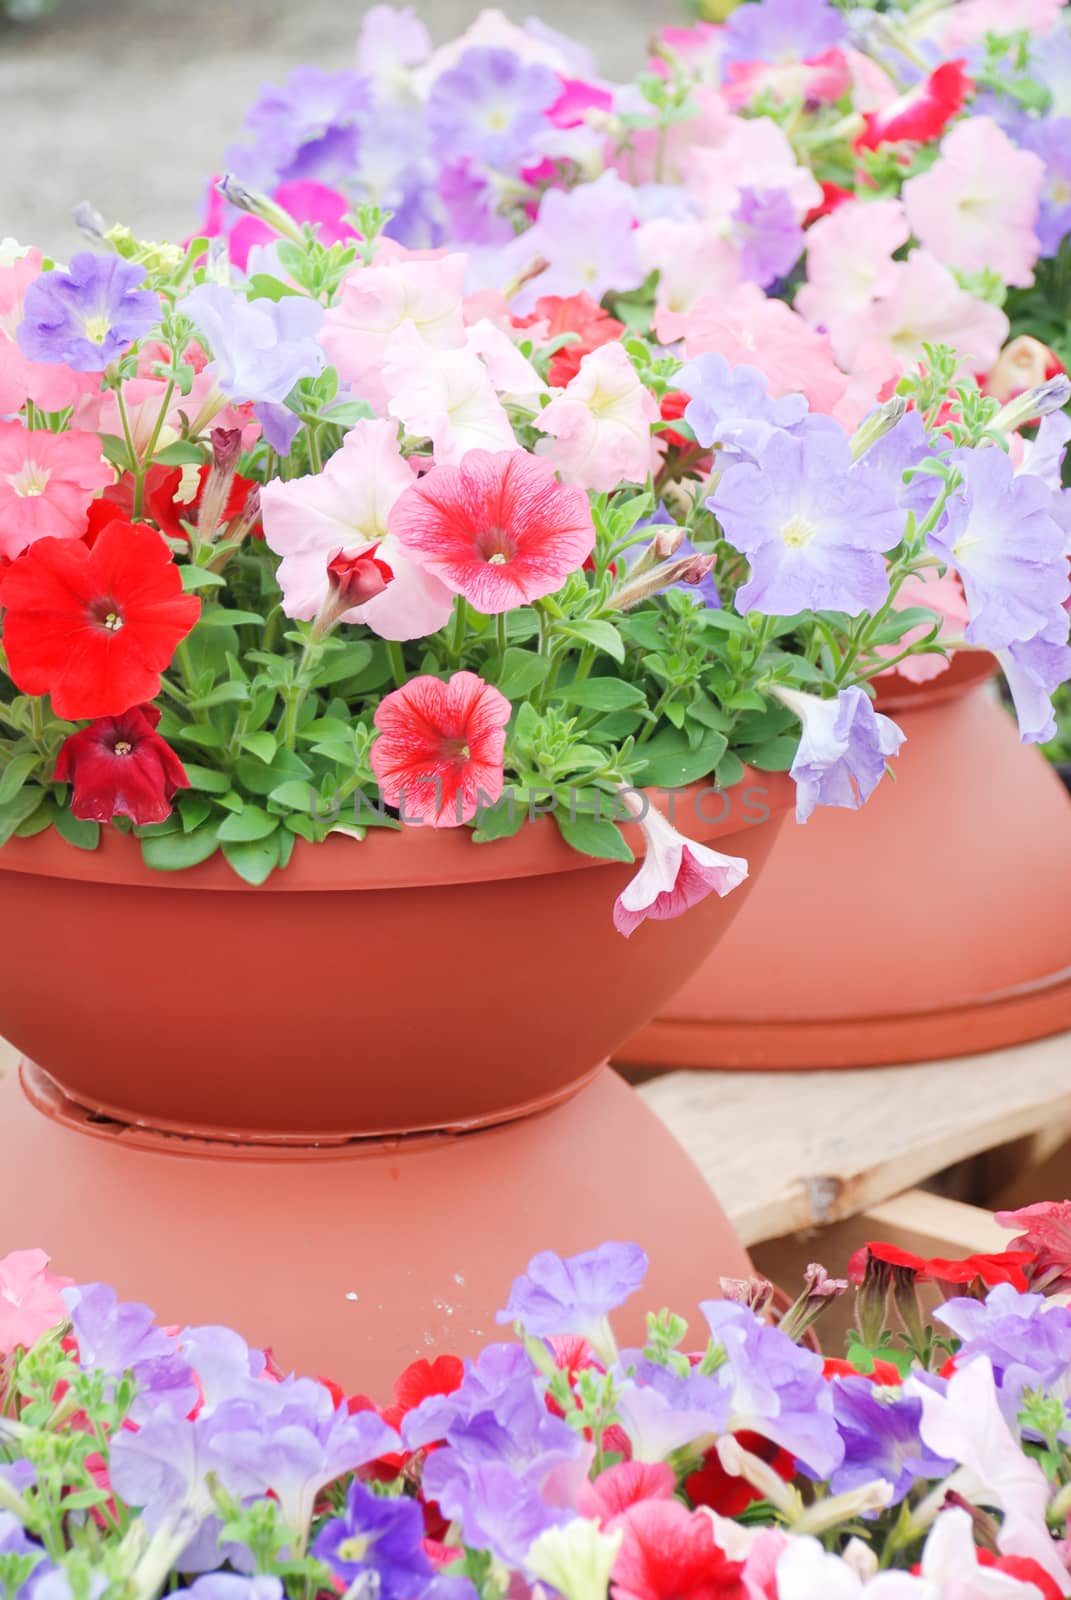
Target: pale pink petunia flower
[31,1301]
[499,528]
[676,872]
[755,154]
[600,425]
[958,27]
[510,372]
[976,207]
[46,483]
[747,328]
[966,1425]
[659,155]
[346,507]
[374,303]
[849,264]
[923,304]
[944,596]
[692,259]
[444,395]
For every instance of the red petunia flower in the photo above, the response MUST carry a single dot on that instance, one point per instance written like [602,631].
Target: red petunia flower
[120,767]
[883,1373]
[95,628]
[438,757]
[626,1484]
[579,314]
[1006,1266]
[668,1553]
[419,1381]
[923,113]
[1044,1230]
[730,1495]
[499,529]
[833,195]
[1025,1568]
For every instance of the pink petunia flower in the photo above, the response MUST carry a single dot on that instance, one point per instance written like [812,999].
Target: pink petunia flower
[446,396]
[374,303]
[754,155]
[498,529]
[346,507]
[850,264]
[957,27]
[620,1487]
[692,258]
[30,1299]
[1044,1228]
[977,205]
[818,80]
[943,595]
[46,483]
[747,328]
[923,304]
[676,873]
[438,757]
[670,1553]
[600,426]
[50,385]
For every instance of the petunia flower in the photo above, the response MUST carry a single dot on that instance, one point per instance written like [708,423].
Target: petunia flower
[693,257]
[306,127]
[346,508]
[782,30]
[843,748]
[438,757]
[576,1295]
[380,1537]
[305,201]
[1033,670]
[922,113]
[575,1559]
[115,1337]
[881,1440]
[95,628]
[260,348]
[586,236]
[624,1485]
[499,528]
[731,407]
[676,873]
[53,386]
[579,314]
[768,234]
[1050,138]
[850,264]
[1045,1229]
[47,481]
[600,427]
[670,1553]
[492,106]
[231,1586]
[977,205]
[31,1301]
[812,524]
[120,767]
[88,315]
[446,396]
[374,302]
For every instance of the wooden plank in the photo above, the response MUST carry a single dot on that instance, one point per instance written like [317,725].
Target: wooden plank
[787,1151]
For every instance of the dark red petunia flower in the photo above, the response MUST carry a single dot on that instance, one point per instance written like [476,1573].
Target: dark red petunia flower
[95,628]
[579,314]
[923,113]
[120,767]
[172,496]
[730,1496]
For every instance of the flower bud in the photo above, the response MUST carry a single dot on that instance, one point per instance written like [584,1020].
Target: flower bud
[877,424]
[1033,404]
[353,578]
[818,1293]
[259,205]
[755,1293]
[226,448]
[1024,363]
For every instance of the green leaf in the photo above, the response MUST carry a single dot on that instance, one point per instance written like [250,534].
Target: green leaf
[253,859]
[265,287]
[297,794]
[521,672]
[501,821]
[776,755]
[193,809]
[603,635]
[729,771]
[16,810]
[345,663]
[348,413]
[16,772]
[248,824]
[222,617]
[114,450]
[721,621]
[304,827]
[173,852]
[200,578]
[40,818]
[227,693]
[593,836]
[602,694]
[180,454]
[897,623]
[85,835]
[261,745]
[672,763]
[207,778]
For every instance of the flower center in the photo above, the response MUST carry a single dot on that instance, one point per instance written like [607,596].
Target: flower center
[31,479]
[106,614]
[798,531]
[96,329]
[1060,191]
[122,747]
[456,750]
[355,1548]
[496,547]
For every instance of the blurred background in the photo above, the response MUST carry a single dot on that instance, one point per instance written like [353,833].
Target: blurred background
[129,104]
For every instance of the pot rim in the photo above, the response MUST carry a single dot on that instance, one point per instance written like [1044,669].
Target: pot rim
[412,858]
[966,670]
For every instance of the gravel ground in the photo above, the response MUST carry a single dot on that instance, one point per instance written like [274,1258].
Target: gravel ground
[130,103]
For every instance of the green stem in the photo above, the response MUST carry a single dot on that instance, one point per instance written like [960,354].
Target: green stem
[457,632]
[143,465]
[298,690]
[396,657]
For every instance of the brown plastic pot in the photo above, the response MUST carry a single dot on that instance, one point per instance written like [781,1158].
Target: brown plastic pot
[412,981]
[221,1064]
[933,922]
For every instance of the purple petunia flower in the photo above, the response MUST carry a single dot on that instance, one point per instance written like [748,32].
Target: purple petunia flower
[775,1388]
[308,128]
[999,534]
[121,1336]
[778,31]
[1043,456]
[502,1378]
[587,237]
[496,1509]
[1050,138]
[260,348]
[1034,669]
[812,525]
[392,40]
[471,205]
[899,452]
[575,1295]
[732,408]
[842,751]
[662,1411]
[232,1586]
[1026,1338]
[493,106]
[13,1542]
[769,237]
[88,315]
[881,1439]
[377,1535]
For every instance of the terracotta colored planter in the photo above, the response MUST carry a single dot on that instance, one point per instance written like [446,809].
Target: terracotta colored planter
[933,922]
[232,1084]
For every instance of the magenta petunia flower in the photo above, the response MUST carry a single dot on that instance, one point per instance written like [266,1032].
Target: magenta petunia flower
[438,757]
[499,528]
